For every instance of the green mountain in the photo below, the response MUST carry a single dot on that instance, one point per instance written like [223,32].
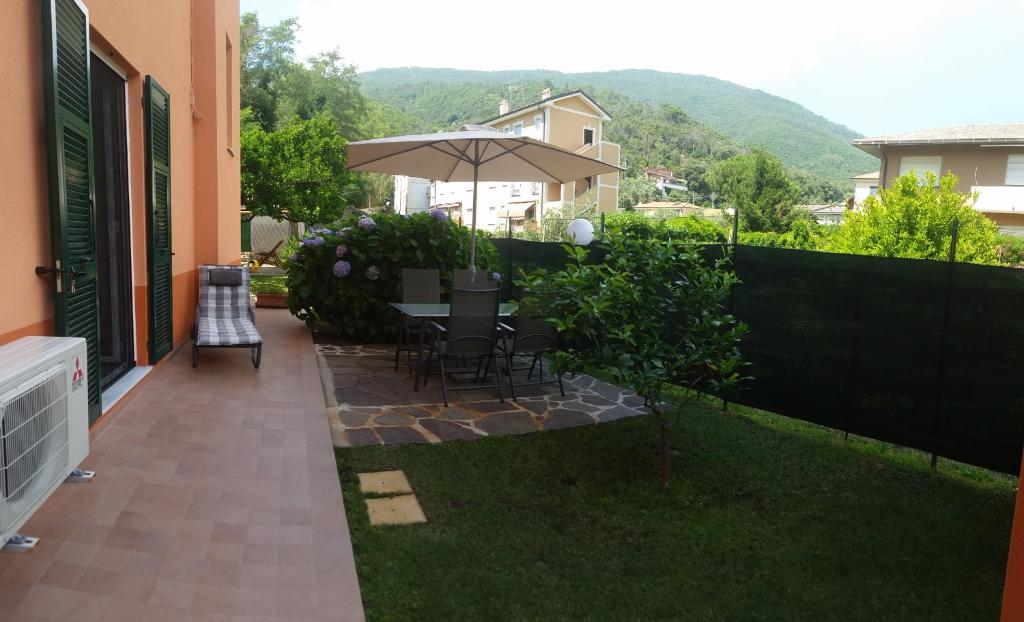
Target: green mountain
[803,140]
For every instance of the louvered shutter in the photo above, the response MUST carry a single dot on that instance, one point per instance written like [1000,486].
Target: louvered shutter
[922,165]
[65,26]
[158,218]
[1015,170]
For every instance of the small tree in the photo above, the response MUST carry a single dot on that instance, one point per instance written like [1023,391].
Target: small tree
[652,315]
[759,186]
[297,172]
[914,218]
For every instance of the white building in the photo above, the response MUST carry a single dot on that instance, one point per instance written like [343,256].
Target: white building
[864,186]
[572,121]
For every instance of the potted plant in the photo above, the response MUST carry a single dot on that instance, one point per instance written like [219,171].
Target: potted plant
[271,290]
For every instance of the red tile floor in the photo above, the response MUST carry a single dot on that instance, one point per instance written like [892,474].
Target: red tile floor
[216,498]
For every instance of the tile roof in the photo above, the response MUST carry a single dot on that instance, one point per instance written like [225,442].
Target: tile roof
[997,133]
[873,175]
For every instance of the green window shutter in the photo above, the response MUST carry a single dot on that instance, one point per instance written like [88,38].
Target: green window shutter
[158,219]
[65,27]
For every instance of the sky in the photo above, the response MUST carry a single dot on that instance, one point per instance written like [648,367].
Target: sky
[876,66]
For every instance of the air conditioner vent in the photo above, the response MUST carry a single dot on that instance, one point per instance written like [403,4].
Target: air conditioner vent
[33,441]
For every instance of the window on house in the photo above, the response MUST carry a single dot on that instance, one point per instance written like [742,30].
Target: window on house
[872,190]
[538,120]
[535,188]
[1015,169]
[517,128]
[507,129]
[516,189]
[588,136]
[229,99]
[922,165]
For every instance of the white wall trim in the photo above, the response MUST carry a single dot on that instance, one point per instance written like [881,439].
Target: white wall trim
[108,61]
[584,114]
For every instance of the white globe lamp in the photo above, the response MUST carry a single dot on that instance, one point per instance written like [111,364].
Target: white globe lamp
[581,232]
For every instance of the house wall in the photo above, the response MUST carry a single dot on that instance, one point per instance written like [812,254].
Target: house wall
[157,38]
[973,165]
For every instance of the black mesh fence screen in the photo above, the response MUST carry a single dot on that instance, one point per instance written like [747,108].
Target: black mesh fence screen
[924,354]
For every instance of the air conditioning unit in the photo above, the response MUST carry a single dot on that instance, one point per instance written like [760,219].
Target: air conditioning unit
[44,422]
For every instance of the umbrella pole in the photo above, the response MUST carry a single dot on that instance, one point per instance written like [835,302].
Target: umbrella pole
[472,234]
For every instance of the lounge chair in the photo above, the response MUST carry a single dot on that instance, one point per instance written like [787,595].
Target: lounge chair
[224,317]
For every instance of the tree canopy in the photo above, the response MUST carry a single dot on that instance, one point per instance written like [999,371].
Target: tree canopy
[914,218]
[296,172]
[757,184]
[302,114]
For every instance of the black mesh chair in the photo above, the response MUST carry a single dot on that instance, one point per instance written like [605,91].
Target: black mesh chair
[418,287]
[531,339]
[471,335]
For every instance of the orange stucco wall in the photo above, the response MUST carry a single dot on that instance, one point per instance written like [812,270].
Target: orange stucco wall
[182,44]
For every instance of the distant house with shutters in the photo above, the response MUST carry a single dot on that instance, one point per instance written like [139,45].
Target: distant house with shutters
[988,159]
[120,173]
[573,121]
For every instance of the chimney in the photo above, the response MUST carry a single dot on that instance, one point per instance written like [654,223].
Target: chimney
[503,107]
[546,93]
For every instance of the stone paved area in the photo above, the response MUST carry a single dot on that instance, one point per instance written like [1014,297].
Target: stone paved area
[375,405]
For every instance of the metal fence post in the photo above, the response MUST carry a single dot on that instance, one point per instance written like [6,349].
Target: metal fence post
[940,371]
[602,225]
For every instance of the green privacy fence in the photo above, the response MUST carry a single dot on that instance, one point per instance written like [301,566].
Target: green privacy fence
[920,353]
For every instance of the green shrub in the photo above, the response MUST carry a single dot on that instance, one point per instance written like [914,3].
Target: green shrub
[346,278]
[1010,250]
[694,229]
[652,314]
[802,235]
[681,228]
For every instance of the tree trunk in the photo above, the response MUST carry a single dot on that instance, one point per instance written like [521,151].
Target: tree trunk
[666,457]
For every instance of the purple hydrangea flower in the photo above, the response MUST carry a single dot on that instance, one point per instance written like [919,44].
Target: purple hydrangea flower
[496,276]
[345,232]
[341,251]
[438,214]
[313,241]
[367,224]
[342,268]
[373,273]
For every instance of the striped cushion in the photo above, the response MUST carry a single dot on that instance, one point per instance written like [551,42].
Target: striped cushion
[224,311]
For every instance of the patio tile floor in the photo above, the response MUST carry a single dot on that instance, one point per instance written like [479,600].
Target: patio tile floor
[376,405]
[216,498]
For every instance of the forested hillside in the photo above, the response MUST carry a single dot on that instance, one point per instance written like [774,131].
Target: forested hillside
[806,142]
[650,134]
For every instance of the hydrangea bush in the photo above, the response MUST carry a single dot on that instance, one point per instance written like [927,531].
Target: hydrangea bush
[344,277]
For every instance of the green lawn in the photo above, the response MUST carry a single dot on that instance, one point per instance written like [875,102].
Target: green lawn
[767,518]
[268,284]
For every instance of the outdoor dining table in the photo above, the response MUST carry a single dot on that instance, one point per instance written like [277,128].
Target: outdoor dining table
[425,311]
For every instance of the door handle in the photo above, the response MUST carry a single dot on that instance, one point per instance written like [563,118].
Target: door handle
[55,272]
[73,274]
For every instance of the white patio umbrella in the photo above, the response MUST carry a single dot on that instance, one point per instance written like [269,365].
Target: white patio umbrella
[474,153]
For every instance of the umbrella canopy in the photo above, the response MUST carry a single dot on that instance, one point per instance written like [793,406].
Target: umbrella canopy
[475,153]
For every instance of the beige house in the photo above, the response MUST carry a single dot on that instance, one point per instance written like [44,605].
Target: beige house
[988,160]
[573,121]
[864,186]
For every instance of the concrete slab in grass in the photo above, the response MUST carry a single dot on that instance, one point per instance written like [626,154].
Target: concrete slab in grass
[384,483]
[400,510]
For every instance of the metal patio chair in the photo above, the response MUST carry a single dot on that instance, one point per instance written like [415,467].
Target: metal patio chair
[471,334]
[419,286]
[224,317]
[531,338]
